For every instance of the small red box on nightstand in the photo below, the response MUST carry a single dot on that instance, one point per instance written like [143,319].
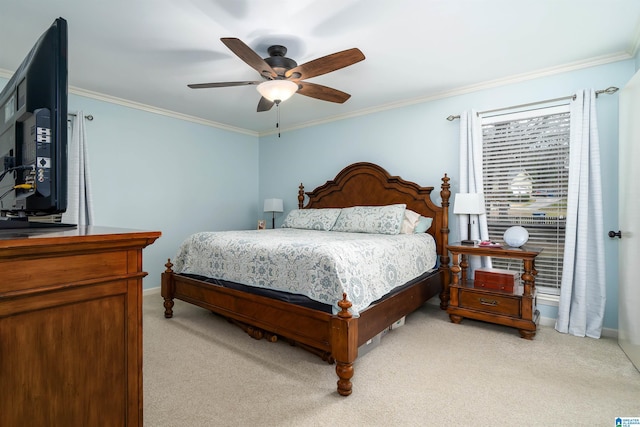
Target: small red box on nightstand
[495,278]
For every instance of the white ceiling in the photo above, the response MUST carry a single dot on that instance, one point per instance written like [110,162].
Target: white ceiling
[147,51]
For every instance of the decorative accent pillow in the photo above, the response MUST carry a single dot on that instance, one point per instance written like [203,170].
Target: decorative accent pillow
[409,222]
[423,224]
[371,219]
[312,219]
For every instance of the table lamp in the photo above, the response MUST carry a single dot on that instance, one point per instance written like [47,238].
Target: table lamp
[468,204]
[273,206]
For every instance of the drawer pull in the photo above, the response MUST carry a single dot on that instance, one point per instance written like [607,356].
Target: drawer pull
[490,302]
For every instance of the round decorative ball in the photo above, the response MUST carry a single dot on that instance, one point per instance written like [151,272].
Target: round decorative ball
[516,236]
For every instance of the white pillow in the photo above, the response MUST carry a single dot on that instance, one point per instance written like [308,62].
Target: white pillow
[409,222]
[371,219]
[312,219]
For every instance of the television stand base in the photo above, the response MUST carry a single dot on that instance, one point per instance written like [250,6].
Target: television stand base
[17,224]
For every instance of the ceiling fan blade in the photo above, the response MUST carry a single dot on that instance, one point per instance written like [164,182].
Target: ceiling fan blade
[321,92]
[326,64]
[222,84]
[249,56]
[264,104]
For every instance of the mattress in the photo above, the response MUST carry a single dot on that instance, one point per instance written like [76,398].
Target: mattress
[320,265]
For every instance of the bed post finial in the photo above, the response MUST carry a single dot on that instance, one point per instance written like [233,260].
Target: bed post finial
[445,193]
[169,266]
[300,196]
[344,305]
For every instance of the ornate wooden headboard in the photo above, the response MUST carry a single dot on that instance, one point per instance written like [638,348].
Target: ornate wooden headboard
[367,184]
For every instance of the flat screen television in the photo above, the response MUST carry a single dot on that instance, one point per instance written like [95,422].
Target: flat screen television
[33,133]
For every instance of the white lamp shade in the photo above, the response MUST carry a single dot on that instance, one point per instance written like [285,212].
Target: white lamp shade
[469,203]
[277,90]
[273,205]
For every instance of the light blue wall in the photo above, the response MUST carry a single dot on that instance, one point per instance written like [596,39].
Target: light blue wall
[154,172]
[419,144]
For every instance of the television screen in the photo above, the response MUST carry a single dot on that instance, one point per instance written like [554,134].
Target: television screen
[33,131]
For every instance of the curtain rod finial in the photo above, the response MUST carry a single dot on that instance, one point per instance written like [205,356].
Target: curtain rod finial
[609,91]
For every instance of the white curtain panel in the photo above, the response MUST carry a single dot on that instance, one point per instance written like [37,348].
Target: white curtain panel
[583,293]
[471,180]
[79,203]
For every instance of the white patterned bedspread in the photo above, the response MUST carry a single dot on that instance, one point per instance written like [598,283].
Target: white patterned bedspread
[319,264]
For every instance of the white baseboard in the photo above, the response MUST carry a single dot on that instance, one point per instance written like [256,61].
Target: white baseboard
[547,321]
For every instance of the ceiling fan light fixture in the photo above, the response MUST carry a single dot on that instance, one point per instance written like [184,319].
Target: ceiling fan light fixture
[277,90]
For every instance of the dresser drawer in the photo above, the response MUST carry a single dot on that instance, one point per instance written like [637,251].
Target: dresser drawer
[22,274]
[490,302]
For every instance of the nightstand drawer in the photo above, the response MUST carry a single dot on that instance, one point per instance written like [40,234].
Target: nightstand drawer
[490,302]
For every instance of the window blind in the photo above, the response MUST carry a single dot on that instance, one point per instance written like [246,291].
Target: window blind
[526,176]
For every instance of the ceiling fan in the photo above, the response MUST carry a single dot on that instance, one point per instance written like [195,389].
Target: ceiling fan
[282,76]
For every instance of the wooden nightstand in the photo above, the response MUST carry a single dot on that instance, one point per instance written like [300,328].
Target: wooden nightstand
[516,309]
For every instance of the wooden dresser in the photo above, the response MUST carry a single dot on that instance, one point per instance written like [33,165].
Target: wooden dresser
[71,326]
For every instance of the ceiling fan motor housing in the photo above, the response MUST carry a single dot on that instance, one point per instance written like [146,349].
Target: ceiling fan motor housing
[278,61]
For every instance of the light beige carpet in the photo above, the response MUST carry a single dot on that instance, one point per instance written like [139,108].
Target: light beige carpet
[199,370]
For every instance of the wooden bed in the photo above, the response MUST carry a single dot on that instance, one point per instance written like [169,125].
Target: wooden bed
[335,338]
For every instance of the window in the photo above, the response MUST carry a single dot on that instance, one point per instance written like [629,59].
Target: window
[526,175]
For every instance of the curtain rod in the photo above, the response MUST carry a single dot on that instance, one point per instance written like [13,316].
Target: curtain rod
[610,90]
[88,117]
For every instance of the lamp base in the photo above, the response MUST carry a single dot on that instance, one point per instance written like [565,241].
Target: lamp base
[468,242]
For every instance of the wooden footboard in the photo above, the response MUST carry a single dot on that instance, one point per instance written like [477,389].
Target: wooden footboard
[332,337]
[297,323]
